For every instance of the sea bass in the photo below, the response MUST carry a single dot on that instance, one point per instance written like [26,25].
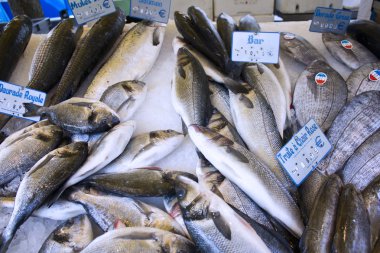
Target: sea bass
[249,23]
[220,100]
[226,25]
[365,78]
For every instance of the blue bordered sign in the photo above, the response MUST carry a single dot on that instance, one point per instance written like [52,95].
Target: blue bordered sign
[320,78]
[13,96]
[330,20]
[302,154]
[261,47]
[346,44]
[155,10]
[374,76]
[88,10]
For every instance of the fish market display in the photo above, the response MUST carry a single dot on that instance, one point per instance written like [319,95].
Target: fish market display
[132,60]
[90,50]
[249,23]
[347,50]
[77,115]
[127,240]
[125,98]
[320,94]
[367,33]
[226,25]
[144,150]
[72,236]
[363,79]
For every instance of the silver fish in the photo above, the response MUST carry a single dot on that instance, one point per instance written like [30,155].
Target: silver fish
[353,55]
[318,100]
[212,223]
[144,150]
[125,98]
[249,23]
[220,100]
[137,240]
[132,60]
[244,169]
[172,207]
[77,115]
[72,236]
[363,79]
[46,176]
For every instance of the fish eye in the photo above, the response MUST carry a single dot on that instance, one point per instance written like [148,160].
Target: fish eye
[181,193]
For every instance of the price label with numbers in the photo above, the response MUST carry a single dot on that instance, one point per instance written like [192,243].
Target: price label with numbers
[87,10]
[13,97]
[330,20]
[255,47]
[302,154]
[155,10]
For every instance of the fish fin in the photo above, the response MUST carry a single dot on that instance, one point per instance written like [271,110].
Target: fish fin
[55,196]
[237,154]
[247,103]
[260,68]
[184,128]
[156,37]
[41,163]
[21,137]
[118,224]
[235,86]
[216,191]
[142,208]
[32,110]
[82,104]
[221,224]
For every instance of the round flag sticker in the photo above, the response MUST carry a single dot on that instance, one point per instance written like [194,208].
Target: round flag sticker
[374,75]
[289,36]
[346,44]
[320,78]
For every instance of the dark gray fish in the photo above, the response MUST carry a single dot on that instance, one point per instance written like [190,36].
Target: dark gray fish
[363,166]
[71,236]
[367,33]
[352,229]
[299,49]
[77,115]
[93,47]
[226,25]
[220,100]
[376,249]
[363,79]
[249,23]
[40,182]
[314,99]
[319,230]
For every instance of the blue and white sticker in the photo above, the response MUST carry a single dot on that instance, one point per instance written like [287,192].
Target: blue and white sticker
[302,154]
[346,44]
[320,78]
[261,47]
[88,10]
[13,97]
[155,10]
[330,20]
[374,76]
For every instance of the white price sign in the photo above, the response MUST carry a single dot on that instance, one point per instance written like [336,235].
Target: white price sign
[87,10]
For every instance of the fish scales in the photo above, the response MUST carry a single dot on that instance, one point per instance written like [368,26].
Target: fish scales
[359,80]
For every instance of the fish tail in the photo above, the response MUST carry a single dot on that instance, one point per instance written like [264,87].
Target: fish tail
[5,242]
[31,110]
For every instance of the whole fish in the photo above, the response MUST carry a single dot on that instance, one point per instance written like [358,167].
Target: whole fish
[299,48]
[363,79]
[107,211]
[262,79]
[367,33]
[352,230]
[144,150]
[319,230]
[318,99]
[135,240]
[212,223]
[249,23]
[132,60]
[220,100]
[72,236]
[363,165]
[174,210]
[46,176]
[226,25]
[52,55]
[77,115]
[24,151]
[371,196]
[125,98]
[244,169]
[90,50]
[347,50]
[133,183]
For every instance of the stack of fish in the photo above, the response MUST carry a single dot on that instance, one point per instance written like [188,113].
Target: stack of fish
[239,116]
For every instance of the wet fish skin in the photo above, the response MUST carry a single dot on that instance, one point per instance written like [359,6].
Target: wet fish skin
[125,98]
[135,239]
[249,23]
[212,224]
[19,156]
[144,150]
[77,115]
[367,33]
[52,55]
[319,230]
[93,47]
[220,100]
[232,160]
[40,181]
[71,236]
[174,210]
[352,230]
[226,25]
[359,82]
[319,102]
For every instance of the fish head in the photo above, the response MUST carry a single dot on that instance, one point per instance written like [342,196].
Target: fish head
[166,135]
[184,60]
[48,133]
[73,149]
[105,118]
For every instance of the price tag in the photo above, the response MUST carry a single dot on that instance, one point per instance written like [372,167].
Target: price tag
[87,10]
[330,20]
[255,47]
[157,10]
[302,154]
[13,96]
